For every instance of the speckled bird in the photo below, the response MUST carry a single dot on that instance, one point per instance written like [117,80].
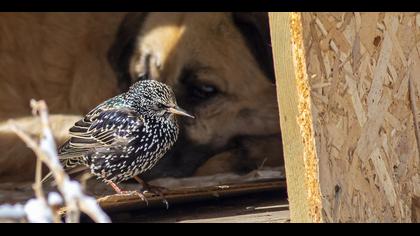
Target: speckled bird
[125,135]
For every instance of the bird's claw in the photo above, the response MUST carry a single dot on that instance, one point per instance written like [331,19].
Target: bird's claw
[157,191]
[140,195]
[166,203]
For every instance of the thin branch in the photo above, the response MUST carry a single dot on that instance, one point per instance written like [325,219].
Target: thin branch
[37,186]
[45,149]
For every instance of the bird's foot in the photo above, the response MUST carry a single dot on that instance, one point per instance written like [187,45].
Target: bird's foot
[157,190]
[128,193]
[136,193]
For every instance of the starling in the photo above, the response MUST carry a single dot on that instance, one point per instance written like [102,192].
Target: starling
[125,135]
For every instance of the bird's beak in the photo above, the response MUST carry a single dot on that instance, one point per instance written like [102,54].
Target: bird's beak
[179,111]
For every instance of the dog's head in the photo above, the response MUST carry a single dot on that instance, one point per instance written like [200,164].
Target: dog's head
[220,67]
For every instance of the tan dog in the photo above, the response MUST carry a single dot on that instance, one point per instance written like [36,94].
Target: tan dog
[218,63]
[220,66]
[58,57]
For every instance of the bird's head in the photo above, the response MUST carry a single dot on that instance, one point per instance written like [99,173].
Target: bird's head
[155,98]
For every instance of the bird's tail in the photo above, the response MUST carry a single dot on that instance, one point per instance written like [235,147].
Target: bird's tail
[49,176]
[74,172]
[67,158]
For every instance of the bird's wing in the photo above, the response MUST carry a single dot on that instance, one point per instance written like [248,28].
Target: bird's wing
[101,129]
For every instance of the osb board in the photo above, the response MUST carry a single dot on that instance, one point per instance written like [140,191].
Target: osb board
[295,119]
[363,71]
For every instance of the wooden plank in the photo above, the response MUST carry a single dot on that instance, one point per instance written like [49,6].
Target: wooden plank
[301,169]
[177,196]
[267,207]
[121,203]
[266,217]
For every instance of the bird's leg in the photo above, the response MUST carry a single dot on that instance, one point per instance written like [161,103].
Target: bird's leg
[145,187]
[120,192]
[115,187]
[152,189]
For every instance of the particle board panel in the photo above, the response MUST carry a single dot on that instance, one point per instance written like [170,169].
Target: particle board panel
[361,87]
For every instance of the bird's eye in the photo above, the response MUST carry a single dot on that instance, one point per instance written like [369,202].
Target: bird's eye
[203,91]
[161,106]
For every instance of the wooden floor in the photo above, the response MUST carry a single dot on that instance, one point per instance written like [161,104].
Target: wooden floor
[268,207]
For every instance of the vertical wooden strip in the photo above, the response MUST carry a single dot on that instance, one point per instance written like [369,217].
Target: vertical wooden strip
[293,95]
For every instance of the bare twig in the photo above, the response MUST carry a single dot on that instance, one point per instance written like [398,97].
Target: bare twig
[38,185]
[45,149]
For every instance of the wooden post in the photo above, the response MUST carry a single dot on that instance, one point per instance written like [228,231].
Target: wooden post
[349,96]
[297,155]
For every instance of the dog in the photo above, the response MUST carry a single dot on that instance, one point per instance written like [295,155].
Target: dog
[58,57]
[219,64]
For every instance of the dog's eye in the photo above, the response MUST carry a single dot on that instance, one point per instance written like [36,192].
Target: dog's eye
[203,91]
[197,91]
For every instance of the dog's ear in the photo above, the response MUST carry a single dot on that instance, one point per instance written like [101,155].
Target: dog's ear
[255,28]
[123,47]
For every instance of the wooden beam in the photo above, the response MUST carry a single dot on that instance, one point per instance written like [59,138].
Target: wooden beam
[294,104]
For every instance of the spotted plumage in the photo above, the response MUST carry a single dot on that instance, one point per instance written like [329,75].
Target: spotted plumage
[125,135]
